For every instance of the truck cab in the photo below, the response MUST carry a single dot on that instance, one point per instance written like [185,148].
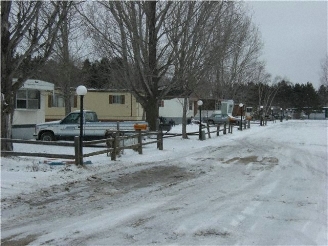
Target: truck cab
[74,117]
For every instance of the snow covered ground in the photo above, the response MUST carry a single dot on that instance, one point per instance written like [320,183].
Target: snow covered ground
[262,186]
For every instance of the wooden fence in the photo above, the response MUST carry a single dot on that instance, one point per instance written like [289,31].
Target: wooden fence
[59,143]
[113,145]
[210,129]
[109,145]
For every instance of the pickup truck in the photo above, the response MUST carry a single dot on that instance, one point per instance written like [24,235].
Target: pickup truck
[69,127]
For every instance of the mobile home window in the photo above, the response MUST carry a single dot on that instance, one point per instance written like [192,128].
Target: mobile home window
[249,110]
[57,100]
[190,105]
[116,99]
[28,99]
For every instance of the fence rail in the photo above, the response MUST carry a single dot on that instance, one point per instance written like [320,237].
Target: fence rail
[12,153]
[47,155]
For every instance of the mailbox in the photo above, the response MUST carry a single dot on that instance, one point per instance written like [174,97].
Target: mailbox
[140,126]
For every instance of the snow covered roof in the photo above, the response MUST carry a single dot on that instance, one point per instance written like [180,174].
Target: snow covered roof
[38,85]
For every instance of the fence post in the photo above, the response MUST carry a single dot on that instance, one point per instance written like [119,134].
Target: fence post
[77,149]
[231,126]
[245,124]
[160,140]
[225,128]
[208,130]
[139,142]
[161,146]
[157,137]
[217,129]
[249,124]
[113,153]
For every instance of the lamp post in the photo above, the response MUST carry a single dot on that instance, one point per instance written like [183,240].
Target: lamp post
[280,114]
[81,91]
[200,103]
[261,115]
[272,115]
[241,116]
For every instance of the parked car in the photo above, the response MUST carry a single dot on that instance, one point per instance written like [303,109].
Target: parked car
[217,119]
[221,119]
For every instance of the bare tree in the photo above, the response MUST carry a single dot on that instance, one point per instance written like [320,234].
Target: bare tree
[28,31]
[165,45]
[324,71]
[68,53]
[237,46]
[146,38]
[194,49]
[267,89]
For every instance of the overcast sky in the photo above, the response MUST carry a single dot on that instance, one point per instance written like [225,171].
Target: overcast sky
[294,34]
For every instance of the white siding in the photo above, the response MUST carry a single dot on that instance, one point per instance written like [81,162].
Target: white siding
[31,116]
[173,109]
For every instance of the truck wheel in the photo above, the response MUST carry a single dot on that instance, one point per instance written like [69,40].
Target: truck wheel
[211,122]
[47,136]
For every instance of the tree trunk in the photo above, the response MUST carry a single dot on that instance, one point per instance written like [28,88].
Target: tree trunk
[66,62]
[6,121]
[67,98]
[152,42]
[7,107]
[151,106]
[184,118]
[151,113]
[7,111]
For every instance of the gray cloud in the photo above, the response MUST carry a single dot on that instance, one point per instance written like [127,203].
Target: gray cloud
[295,37]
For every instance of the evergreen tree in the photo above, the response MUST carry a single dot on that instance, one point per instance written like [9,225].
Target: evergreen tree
[284,96]
[306,98]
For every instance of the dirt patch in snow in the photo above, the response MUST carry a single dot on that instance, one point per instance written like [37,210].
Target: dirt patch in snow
[23,241]
[150,176]
[107,184]
[253,159]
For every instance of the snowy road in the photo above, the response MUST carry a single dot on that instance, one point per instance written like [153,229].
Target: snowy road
[263,186]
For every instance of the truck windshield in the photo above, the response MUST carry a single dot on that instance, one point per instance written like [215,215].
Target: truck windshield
[72,118]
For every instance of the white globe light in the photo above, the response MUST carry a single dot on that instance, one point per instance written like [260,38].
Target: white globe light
[241,105]
[199,102]
[81,90]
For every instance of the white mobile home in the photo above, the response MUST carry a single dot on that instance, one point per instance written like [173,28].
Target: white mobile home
[29,107]
[173,109]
